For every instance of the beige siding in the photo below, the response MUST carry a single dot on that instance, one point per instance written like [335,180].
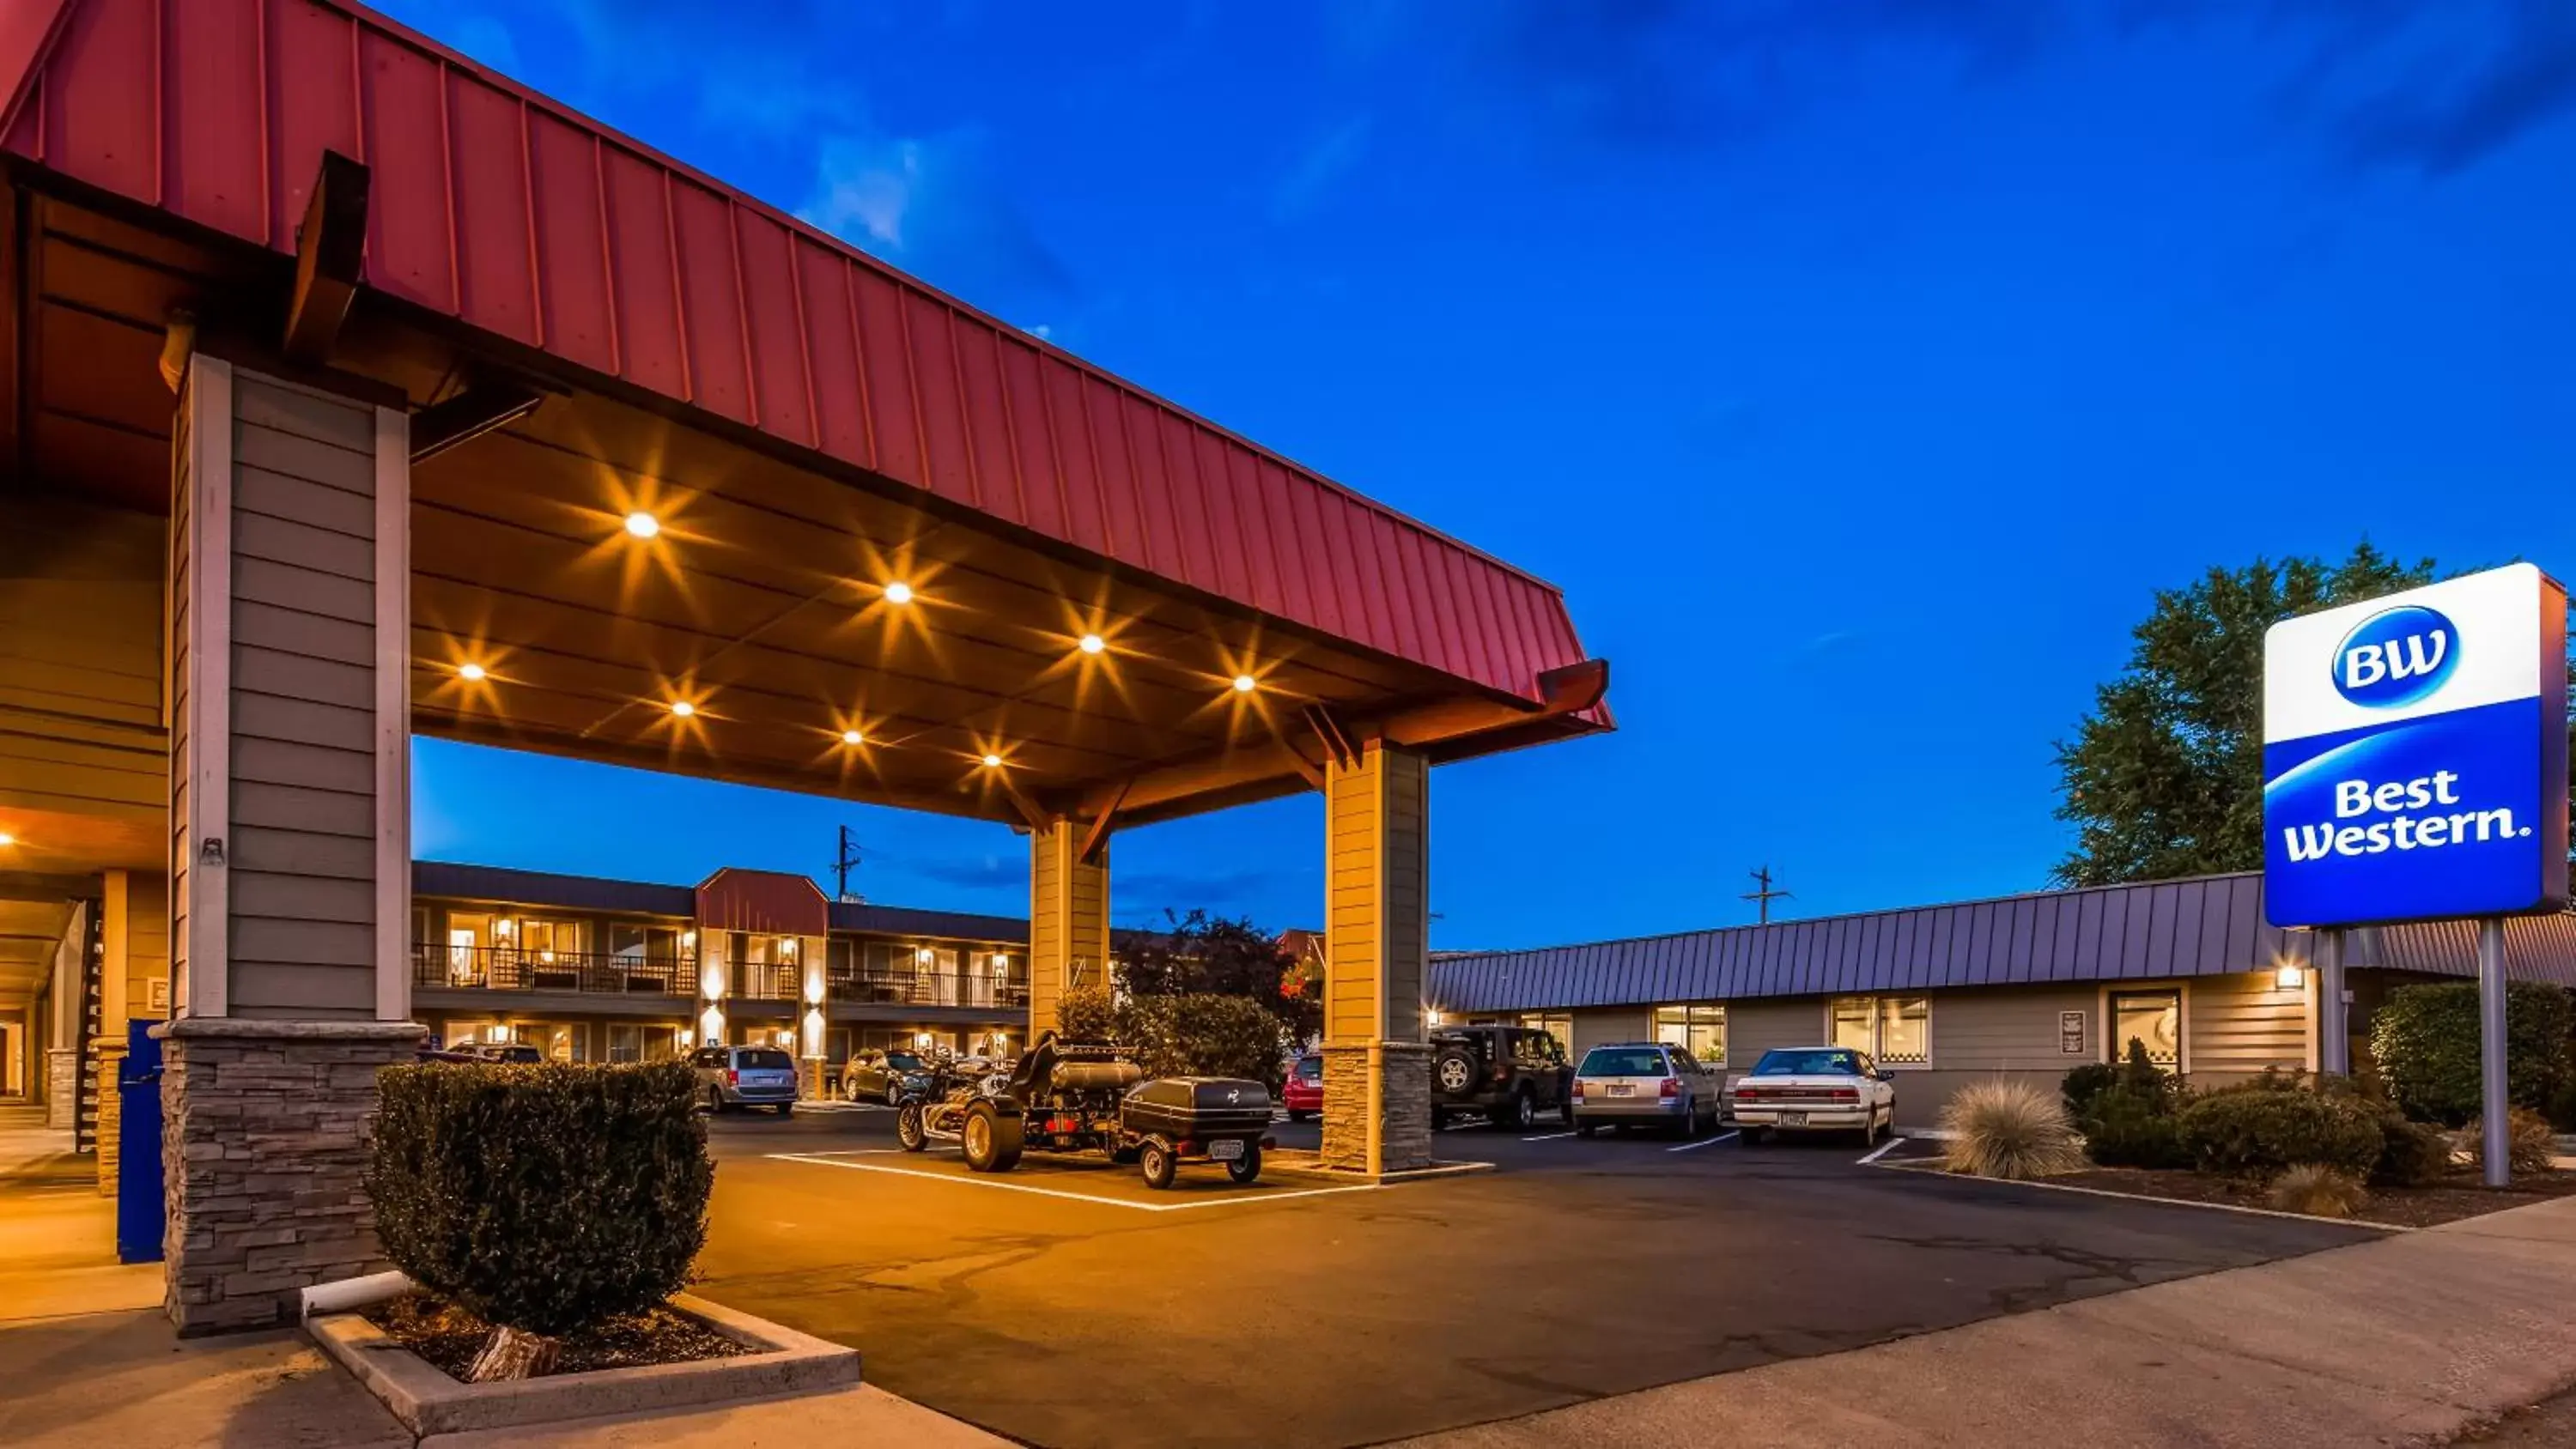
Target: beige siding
[2235,1026]
[1602,1025]
[147,942]
[1376,822]
[1068,917]
[2012,1029]
[1755,1027]
[303,770]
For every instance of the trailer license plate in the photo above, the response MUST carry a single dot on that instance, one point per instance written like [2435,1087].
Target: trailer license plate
[1793,1119]
[1225,1151]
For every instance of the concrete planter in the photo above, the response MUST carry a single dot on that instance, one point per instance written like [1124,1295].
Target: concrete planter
[429,1402]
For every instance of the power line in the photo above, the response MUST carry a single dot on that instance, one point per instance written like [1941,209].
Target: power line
[845,862]
[1766,895]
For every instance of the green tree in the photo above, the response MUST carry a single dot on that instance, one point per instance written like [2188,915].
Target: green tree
[1204,955]
[2165,777]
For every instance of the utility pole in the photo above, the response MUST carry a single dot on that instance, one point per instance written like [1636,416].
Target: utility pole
[1763,897]
[845,862]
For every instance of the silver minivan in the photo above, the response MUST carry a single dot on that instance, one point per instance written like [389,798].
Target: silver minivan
[1645,1083]
[746,1076]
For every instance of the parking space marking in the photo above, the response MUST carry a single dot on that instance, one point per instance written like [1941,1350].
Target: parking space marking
[828,1105]
[821,1160]
[1548,1136]
[1884,1148]
[1704,1142]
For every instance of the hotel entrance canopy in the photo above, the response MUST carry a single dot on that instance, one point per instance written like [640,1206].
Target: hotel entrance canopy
[898,550]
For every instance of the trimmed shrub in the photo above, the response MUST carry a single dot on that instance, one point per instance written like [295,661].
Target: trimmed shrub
[2317,1190]
[542,1198]
[2008,1128]
[2085,1085]
[2425,1039]
[2530,1142]
[2126,1130]
[1205,1036]
[1087,1014]
[2266,1125]
[2411,1154]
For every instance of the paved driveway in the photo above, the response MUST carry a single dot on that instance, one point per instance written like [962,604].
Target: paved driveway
[1083,1313]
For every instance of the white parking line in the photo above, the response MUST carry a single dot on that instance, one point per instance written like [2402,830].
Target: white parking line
[819,1160]
[1883,1149]
[835,1106]
[1548,1136]
[1704,1142]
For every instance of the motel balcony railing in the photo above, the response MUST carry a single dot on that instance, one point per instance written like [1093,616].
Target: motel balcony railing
[518,968]
[929,988]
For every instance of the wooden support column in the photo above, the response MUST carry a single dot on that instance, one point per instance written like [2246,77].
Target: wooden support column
[1068,916]
[290,834]
[1377,1077]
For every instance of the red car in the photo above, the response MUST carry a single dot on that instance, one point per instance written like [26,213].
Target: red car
[1304,1094]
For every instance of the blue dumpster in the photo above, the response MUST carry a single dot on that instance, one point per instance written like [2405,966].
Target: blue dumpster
[138,1147]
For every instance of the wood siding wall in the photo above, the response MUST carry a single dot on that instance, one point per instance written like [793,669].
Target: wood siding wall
[180,715]
[1603,1025]
[1068,918]
[2238,1025]
[302,849]
[1376,824]
[81,730]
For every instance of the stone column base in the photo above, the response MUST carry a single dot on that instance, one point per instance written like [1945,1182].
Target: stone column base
[1403,1106]
[109,1059]
[264,1155]
[62,1087]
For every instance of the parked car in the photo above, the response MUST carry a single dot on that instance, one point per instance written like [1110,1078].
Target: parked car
[888,1077]
[1303,1095]
[1814,1089]
[746,1076]
[498,1051]
[1509,1073]
[1645,1084]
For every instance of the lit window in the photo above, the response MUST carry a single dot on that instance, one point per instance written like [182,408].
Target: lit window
[1699,1030]
[1895,1029]
[2152,1017]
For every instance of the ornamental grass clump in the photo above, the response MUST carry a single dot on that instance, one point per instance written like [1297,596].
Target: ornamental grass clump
[2531,1144]
[2318,1191]
[2009,1129]
[542,1199]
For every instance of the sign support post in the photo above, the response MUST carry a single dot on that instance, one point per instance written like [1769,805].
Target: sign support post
[2334,1029]
[2491,1096]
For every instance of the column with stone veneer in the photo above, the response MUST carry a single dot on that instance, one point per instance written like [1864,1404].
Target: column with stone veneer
[290,865]
[1377,1077]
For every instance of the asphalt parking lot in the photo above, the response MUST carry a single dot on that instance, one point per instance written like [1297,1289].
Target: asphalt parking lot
[1065,1304]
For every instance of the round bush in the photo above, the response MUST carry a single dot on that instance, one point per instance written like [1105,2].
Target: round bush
[2266,1126]
[2127,1130]
[542,1198]
[2425,1039]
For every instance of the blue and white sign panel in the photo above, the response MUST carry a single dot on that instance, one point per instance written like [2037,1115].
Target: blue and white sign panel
[2415,755]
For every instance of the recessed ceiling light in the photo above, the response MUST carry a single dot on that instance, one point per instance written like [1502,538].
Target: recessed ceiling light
[853,737]
[992,762]
[469,672]
[1243,683]
[7,840]
[683,708]
[898,592]
[642,524]
[1093,643]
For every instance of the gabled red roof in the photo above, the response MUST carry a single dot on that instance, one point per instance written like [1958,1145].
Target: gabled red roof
[511,213]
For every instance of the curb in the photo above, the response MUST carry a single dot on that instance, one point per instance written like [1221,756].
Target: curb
[428,1402]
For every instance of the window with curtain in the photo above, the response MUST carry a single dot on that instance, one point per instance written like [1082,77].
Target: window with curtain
[1699,1030]
[1895,1029]
[2151,1017]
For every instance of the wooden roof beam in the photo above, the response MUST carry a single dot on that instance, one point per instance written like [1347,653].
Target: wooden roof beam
[329,248]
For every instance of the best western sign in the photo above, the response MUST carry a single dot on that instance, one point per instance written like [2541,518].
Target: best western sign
[2415,755]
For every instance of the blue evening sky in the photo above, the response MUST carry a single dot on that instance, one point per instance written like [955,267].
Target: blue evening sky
[1858,369]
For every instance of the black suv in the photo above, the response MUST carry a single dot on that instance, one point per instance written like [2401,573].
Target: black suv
[1509,1073]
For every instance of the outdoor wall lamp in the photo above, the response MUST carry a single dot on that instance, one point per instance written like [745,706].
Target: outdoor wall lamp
[2290,978]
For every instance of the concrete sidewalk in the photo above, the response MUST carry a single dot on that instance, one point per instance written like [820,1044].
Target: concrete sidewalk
[57,1233]
[2407,1340]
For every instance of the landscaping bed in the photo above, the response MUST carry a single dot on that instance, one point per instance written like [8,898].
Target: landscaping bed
[2448,1199]
[448,1337]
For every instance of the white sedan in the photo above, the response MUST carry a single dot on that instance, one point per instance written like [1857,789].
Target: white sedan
[1813,1089]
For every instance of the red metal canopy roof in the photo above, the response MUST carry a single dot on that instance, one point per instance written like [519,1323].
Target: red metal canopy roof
[513,214]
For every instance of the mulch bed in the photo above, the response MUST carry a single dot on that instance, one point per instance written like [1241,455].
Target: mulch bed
[448,1337]
[2460,1195]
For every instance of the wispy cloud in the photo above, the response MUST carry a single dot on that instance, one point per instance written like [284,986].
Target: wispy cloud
[1318,167]
[935,206]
